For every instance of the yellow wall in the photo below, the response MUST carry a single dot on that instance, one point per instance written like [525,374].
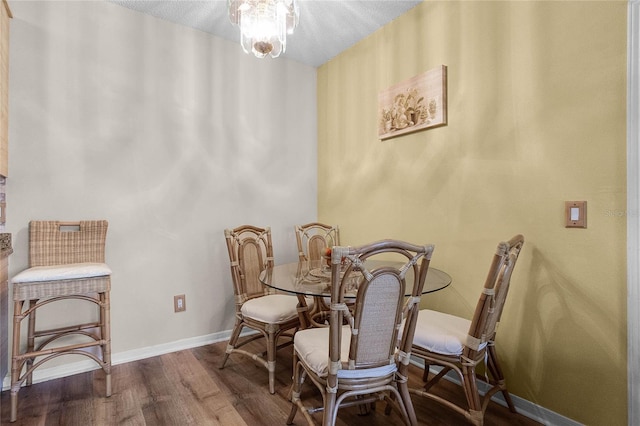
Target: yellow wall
[537,95]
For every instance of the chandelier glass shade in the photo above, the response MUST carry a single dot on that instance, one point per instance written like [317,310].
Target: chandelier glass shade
[264,24]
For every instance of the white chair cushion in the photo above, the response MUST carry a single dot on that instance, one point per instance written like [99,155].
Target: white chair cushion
[273,308]
[62,272]
[312,346]
[441,333]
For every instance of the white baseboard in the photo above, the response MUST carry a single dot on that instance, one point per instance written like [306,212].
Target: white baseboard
[45,374]
[524,407]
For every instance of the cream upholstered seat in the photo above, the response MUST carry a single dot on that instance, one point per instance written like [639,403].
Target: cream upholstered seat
[363,361]
[272,308]
[314,238]
[66,262]
[461,345]
[272,315]
[442,333]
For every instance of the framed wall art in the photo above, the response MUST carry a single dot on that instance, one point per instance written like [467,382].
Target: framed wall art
[415,104]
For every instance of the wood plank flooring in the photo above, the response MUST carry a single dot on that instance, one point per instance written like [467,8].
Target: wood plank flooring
[188,388]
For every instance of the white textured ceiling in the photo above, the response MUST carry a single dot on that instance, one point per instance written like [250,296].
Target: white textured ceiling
[326,27]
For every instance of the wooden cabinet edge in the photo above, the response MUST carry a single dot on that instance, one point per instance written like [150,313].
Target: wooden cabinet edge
[6,6]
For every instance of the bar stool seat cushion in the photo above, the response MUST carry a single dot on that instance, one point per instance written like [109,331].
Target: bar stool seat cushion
[70,271]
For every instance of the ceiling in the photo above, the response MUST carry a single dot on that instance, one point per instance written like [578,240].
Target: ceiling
[326,27]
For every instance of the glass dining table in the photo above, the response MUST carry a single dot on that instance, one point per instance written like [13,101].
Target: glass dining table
[312,279]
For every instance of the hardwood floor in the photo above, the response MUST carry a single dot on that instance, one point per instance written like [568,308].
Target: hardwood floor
[188,388]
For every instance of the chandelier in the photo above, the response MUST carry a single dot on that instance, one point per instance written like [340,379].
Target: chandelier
[264,24]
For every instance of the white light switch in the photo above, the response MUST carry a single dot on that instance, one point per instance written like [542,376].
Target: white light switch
[575,214]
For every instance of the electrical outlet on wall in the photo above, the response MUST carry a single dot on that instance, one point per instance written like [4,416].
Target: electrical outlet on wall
[179,303]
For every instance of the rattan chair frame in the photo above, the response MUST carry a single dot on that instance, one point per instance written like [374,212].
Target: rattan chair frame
[380,301]
[313,238]
[480,345]
[50,245]
[250,251]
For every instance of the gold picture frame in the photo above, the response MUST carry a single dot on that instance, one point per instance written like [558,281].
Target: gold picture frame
[415,104]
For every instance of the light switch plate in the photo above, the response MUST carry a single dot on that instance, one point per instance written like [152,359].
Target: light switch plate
[179,303]
[575,213]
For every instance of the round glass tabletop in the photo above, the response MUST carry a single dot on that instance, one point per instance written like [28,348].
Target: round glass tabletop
[313,278]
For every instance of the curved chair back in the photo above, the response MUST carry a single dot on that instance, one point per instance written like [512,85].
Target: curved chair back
[491,302]
[250,252]
[380,306]
[314,238]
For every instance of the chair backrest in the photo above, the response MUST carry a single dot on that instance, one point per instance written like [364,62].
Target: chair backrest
[250,252]
[314,238]
[489,308]
[61,243]
[381,303]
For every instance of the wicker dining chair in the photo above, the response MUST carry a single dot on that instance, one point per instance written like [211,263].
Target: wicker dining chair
[272,315]
[314,238]
[363,361]
[460,345]
[66,261]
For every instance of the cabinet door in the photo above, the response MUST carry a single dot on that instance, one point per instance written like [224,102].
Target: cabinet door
[5,14]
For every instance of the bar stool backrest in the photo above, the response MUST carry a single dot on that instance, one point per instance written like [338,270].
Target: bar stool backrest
[61,243]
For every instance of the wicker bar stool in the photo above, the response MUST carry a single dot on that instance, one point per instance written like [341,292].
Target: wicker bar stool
[66,261]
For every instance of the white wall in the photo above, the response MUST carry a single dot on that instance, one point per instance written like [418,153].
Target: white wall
[171,135]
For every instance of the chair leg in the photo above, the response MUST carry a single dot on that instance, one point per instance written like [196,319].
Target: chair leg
[14,406]
[31,331]
[235,334]
[387,408]
[403,389]
[295,389]
[476,415]
[272,333]
[299,376]
[365,409]
[425,372]
[16,366]
[329,414]
[105,334]
[428,384]
[494,369]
